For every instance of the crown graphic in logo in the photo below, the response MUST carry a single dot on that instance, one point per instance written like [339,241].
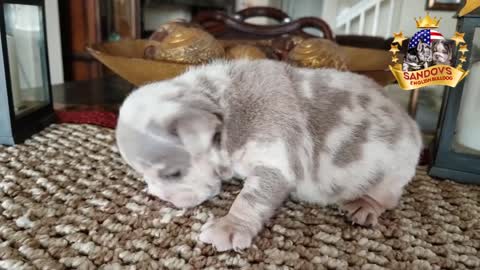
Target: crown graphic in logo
[427,22]
[429,57]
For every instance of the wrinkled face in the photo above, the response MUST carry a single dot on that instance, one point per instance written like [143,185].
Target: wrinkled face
[412,58]
[176,162]
[441,52]
[424,52]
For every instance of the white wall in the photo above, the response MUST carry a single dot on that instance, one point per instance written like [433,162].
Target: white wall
[54,41]
[416,8]
[303,8]
[158,14]
[243,4]
[329,12]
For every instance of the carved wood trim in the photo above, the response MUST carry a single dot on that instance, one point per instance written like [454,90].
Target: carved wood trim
[272,13]
[217,22]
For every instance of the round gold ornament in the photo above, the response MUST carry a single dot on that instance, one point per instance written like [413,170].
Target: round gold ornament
[317,53]
[245,52]
[283,45]
[182,43]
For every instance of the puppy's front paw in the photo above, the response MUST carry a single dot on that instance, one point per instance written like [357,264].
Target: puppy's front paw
[226,233]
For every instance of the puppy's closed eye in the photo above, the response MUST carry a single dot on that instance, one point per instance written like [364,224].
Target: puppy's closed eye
[217,138]
[170,175]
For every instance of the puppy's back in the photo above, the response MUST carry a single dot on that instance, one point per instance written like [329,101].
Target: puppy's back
[340,122]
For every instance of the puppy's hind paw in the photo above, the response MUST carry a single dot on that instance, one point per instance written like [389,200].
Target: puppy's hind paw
[363,211]
[226,233]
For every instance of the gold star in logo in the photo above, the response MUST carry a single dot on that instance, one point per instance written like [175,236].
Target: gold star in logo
[394,59]
[394,49]
[398,38]
[458,38]
[463,49]
[470,6]
[459,66]
[463,59]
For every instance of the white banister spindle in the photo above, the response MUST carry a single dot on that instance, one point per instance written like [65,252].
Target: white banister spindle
[376,16]
[361,25]
[391,7]
[347,18]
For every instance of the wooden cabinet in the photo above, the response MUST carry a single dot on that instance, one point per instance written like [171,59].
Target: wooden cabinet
[86,22]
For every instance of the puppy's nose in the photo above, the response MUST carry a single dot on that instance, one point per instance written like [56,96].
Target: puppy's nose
[184,200]
[224,172]
[213,190]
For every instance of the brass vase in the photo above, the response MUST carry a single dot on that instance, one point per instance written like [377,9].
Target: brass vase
[317,53]
[182,43]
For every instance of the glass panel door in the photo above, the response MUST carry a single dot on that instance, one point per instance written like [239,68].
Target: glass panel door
[27,57]
[467,136]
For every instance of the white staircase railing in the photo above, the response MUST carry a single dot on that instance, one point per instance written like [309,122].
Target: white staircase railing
[358,14]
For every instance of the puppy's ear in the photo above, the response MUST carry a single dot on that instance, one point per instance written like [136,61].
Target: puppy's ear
[196,129]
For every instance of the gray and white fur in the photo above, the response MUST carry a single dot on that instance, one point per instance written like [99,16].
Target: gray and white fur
[317,135]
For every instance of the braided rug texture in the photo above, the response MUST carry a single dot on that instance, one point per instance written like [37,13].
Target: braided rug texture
[68,201]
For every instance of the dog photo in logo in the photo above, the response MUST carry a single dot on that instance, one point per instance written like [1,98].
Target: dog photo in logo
[428,59]
[427,48]
[424,51]
[442,52]
[411,62]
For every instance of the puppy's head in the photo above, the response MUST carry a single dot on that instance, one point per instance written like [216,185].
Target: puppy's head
[172,148]
[412,55]
[424,52]
[442,52]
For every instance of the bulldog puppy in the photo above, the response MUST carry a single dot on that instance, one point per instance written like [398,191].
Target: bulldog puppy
[318,135]
[442,52]
[411,62]
[424,52]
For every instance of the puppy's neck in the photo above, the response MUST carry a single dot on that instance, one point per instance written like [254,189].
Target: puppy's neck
[208,83]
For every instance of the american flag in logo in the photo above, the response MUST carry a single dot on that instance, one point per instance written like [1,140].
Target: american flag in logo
[426,36]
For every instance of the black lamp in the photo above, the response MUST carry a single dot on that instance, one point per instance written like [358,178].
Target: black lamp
[26,104]
[457,147]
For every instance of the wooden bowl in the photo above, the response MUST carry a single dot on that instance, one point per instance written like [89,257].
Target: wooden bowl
[126,59]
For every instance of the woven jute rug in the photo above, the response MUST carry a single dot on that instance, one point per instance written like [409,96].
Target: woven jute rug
[68,201]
